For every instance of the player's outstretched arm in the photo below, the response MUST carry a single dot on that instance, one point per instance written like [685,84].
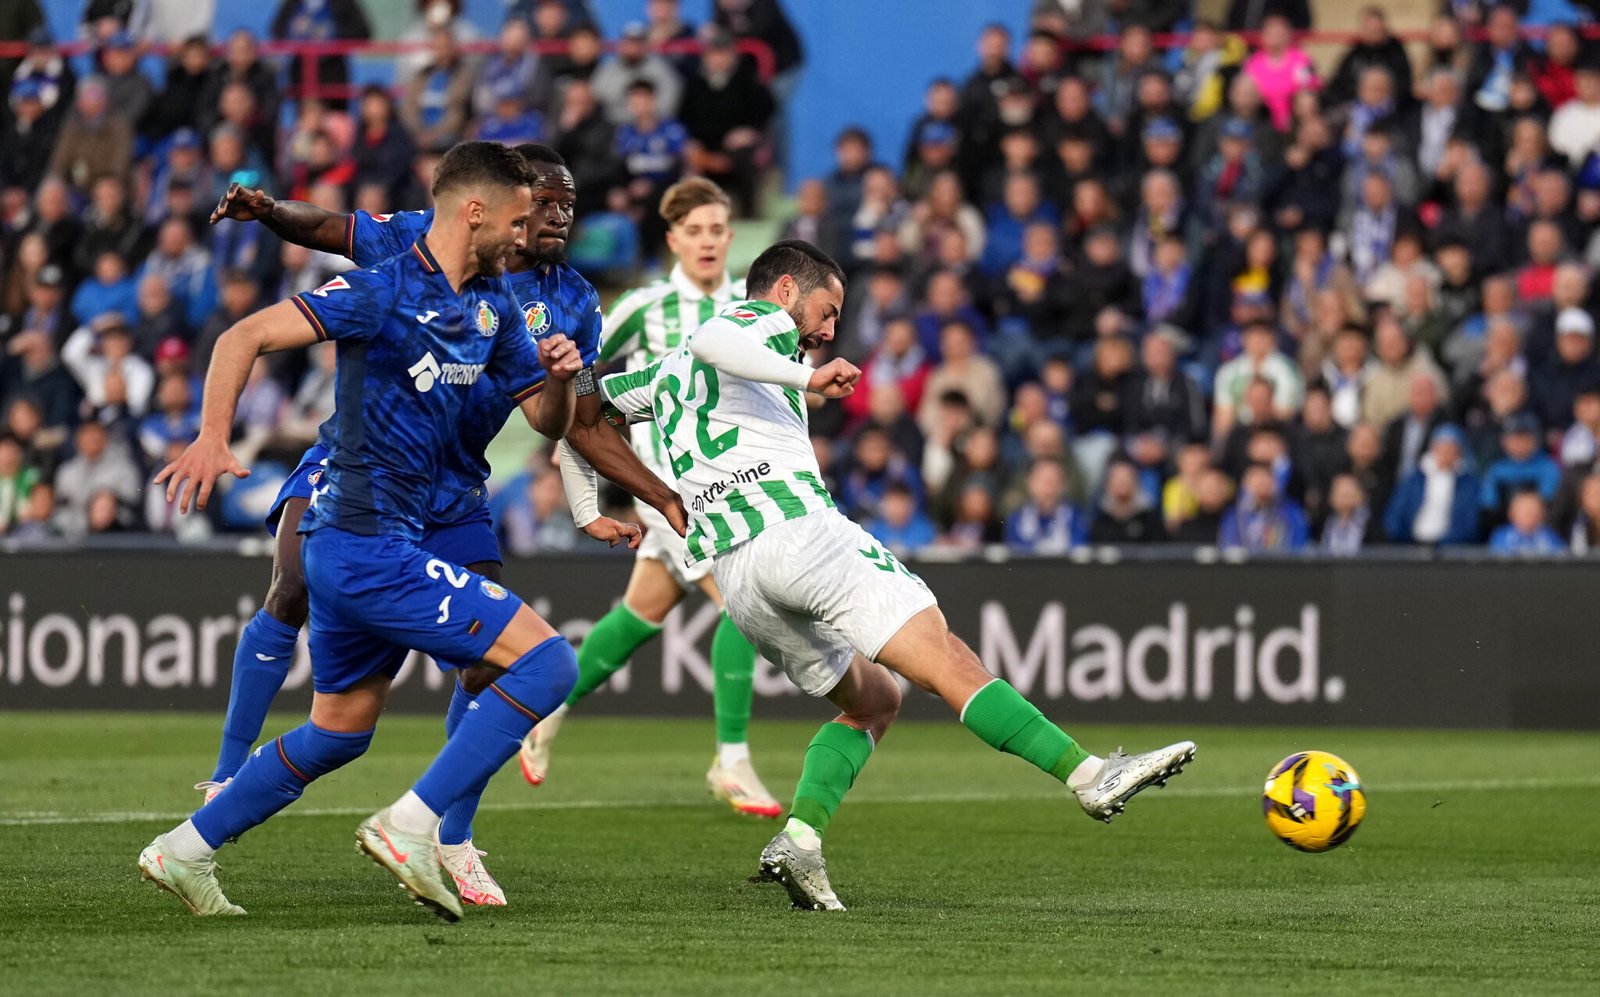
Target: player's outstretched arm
[192,476]
[606,451]
[292,221]
[732,351]
[582,486]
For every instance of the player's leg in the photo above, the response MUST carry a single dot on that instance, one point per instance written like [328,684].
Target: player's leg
[651,594]
[932,658]
[344,713]
[869,700]
[457,615]
[457,853]
[732,777]
[266,648]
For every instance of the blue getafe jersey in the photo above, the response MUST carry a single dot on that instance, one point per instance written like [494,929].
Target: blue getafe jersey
[415,361]
[552,299]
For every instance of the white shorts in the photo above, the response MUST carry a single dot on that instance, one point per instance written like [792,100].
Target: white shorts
[813,592]
[662,543]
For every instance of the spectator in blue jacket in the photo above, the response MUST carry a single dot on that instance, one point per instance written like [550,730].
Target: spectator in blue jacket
[900,524]
[1021,206]
[1526,533]
[1263,519]
[1522,465]
[1047,523]
[110,289]
[1438,502]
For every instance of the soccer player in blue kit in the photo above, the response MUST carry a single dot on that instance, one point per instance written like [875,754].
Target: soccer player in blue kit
[421,337]
[552,296]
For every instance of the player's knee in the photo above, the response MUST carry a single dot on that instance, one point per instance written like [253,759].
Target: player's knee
[542,679]
[877,705]
[478,678]
[314,752]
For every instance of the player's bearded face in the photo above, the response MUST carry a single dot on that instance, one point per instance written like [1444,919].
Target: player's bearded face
[550,224]
[503,231]
[815,315]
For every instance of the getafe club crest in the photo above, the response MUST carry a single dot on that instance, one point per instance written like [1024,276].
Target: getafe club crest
[486,320]
[536,318]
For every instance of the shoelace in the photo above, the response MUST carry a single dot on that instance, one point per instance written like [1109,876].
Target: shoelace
[208,785]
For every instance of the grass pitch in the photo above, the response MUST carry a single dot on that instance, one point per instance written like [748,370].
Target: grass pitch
[965,871]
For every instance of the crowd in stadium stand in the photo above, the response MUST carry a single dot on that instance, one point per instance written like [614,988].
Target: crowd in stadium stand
[1205,295]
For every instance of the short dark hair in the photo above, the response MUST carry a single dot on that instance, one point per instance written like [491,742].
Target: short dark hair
[475,164]
[538,154]
[810,267]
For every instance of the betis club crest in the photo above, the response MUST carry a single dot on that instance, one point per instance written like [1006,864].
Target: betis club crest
[486,320]
[536,318]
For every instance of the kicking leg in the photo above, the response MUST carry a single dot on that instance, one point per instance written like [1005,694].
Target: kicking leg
[732,778]
[869,700]
[932,658]
[651,594]
[265,652]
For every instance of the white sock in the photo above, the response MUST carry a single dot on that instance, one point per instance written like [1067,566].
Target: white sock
[410,815]
[184,842]
[803,834]
[1087,772]
[733,754]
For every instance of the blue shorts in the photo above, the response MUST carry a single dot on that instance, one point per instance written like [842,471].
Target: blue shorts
[471,541]
[299,484]
[373,599]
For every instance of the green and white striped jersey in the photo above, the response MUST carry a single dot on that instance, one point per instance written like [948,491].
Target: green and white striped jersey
[739,450]
[650,322]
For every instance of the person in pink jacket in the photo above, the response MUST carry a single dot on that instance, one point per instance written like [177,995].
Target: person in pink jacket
[1280,69]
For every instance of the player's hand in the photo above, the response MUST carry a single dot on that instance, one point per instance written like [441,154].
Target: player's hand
[677,516]
[197,470]
[560,357]
[614,532]
[244,204]
[835,379]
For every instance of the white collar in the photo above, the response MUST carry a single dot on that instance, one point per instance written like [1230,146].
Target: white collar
[691,291]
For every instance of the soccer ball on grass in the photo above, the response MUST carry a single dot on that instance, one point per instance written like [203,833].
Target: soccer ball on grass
[1313,801]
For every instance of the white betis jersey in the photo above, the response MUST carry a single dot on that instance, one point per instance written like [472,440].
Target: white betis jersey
[739,450]
[650,322]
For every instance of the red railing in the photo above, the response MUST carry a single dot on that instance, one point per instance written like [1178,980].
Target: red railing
[308,53]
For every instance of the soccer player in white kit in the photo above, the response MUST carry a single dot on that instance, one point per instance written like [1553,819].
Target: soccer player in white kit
[811,589]
[644,325]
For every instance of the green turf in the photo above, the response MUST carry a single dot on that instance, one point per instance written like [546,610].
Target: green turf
[966,872]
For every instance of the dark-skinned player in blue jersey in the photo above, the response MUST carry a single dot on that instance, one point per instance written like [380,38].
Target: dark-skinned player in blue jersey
[425,339]
[552,296]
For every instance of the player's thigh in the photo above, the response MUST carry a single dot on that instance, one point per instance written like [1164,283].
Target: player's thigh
[355,709]
[286,599]
[708,585]
[813,656]
[652,590]
[932,658]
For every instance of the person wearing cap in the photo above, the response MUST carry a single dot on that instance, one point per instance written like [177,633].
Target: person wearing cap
[634,60]
[1233,174]
[1572,368]
[1522,466]
[728,112]
[1437,504]
[127,88]
[28,138]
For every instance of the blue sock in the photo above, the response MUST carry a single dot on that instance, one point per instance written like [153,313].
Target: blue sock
[261,663]
[273,777]
[531,688]
[456,826]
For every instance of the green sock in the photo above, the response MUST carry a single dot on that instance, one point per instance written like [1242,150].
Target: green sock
[1007,722]
[833,760]
[733,670]
[608,647]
